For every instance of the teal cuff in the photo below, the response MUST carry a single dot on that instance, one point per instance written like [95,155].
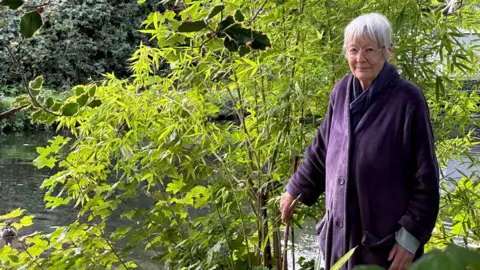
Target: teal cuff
[407,240]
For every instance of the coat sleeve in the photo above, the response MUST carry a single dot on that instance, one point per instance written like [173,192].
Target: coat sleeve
[424,200]
[309,180]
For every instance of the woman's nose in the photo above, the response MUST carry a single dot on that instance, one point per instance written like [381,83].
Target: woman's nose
[360,57]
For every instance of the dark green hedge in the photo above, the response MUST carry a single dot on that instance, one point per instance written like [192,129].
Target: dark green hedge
[80,41]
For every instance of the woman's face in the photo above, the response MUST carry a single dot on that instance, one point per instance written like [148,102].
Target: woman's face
[365,60]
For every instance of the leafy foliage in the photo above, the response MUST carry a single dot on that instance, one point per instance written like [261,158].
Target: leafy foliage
[453,257]
[155,134]
[79,40]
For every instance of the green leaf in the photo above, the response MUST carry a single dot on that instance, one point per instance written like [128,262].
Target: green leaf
[120,232]
[243,50]
[79,90]
[94,103]
[130,265]
[56,106]
[35,92]
[230,45]
[225,23]
[201,195]
[70,109]
[128,214]
[43,161]
[215,249]
[22,100]
[467,256]
[37,83]
[260,41]
[92,90]
[239,16]
[343,260]
[13,214]
[30,23]
[13,258]
[242,36]
[38,246]
[175,186]
[36,115]
[49,120]
[141,1]
[193,26]
[12,4]
[82,100]
[44,151]
[26,221]
[453,257]
[49,103]
[401,18]
[216,10]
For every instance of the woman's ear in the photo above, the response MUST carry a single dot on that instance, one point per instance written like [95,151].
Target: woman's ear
[389,51]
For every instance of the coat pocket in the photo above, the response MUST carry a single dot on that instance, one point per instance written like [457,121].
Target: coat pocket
[375,250]
[321,229]
[369,240]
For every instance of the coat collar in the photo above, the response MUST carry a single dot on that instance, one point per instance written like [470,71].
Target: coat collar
[373,98]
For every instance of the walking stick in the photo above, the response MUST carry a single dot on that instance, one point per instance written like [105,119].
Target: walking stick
[285,245]
[289,222]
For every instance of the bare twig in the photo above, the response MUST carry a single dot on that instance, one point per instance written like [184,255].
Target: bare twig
[256,13]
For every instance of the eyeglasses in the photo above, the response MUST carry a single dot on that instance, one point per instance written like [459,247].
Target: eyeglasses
[368,52]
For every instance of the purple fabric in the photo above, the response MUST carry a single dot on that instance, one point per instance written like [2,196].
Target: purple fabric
[361,100]
[389,157]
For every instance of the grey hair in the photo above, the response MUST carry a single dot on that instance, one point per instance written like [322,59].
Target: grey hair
[373,26]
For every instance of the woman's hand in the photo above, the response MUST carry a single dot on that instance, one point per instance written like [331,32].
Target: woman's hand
[287,205]
[401,258]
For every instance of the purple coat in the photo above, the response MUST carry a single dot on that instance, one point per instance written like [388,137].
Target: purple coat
[389,157]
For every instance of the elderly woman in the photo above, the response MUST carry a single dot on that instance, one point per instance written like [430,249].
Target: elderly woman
[374,158]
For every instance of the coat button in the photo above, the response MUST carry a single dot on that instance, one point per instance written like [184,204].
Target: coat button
[341,180]
[340,223]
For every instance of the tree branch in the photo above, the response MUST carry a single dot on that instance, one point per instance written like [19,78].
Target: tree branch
[256,13]
[11,112]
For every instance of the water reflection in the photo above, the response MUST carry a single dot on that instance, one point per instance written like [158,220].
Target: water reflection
[21,181]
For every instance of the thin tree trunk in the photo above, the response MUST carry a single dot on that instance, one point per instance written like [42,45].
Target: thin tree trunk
[267,251]
[277,251]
